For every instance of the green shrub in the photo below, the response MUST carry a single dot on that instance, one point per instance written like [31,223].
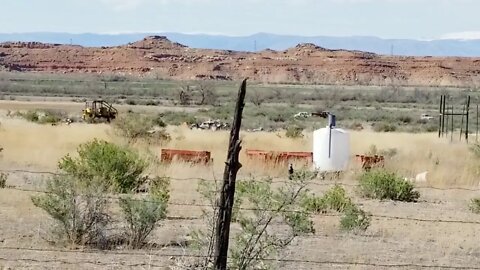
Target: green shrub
[79,212]
[50,117]
[381,184]
[178,118]
[334,199]
[41,117]
[354,219]
[475,205]
[119,168]
[134,126]
[31,116]
[3,180]
[294,132]
[142,215]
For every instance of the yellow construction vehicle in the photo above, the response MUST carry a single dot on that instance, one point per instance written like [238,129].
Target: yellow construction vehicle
[97,110]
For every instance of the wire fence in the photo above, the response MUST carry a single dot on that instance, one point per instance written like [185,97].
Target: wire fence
[274,180]
[211,206]
[193,256]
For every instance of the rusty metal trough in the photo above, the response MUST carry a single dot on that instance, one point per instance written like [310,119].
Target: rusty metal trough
[195,157]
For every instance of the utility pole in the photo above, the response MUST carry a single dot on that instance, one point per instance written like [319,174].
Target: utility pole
[225,203]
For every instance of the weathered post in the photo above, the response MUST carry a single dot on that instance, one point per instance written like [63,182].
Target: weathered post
[225,203]
[476,132]
[444,128]
[468,114]
[440,116]
[461,125]
[451,134]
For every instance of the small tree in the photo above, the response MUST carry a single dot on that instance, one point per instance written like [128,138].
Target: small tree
[257,98]
[208,93]
[119,168]
[142,215]
[184,94]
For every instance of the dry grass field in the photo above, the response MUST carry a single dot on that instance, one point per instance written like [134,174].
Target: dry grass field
[439,232]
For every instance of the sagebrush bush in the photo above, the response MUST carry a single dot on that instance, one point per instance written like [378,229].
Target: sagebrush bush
[354,219]
[119,168]
[80,212]
[382,184]
[141,215]
[475,205]
[336,199]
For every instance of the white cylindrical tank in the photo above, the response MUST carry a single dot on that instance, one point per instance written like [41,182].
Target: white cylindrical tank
[331,149]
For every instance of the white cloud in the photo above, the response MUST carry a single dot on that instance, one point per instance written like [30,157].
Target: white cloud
[467,35]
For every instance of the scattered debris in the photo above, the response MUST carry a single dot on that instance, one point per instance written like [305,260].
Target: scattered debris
[211,125]
[302,115]
[426,117]
[256,129]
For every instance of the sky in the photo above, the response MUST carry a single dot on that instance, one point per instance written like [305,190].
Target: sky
[413,19]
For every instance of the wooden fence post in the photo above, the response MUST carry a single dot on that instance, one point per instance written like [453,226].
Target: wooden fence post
[225,203]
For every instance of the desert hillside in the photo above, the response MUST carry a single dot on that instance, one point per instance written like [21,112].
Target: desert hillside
[305,63]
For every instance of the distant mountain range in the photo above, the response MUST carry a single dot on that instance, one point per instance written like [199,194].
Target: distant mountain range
[261,41]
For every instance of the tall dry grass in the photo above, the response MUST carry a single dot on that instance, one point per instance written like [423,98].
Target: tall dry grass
[448,163]
[29,145]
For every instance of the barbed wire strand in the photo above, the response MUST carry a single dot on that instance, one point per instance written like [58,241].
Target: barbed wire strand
[210,206]
[275,180]
[176,255]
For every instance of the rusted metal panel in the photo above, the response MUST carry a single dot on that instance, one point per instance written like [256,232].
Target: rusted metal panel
[197,157]
[279,157]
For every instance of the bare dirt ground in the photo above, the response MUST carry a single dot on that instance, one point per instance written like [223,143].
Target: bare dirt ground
[439,232]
